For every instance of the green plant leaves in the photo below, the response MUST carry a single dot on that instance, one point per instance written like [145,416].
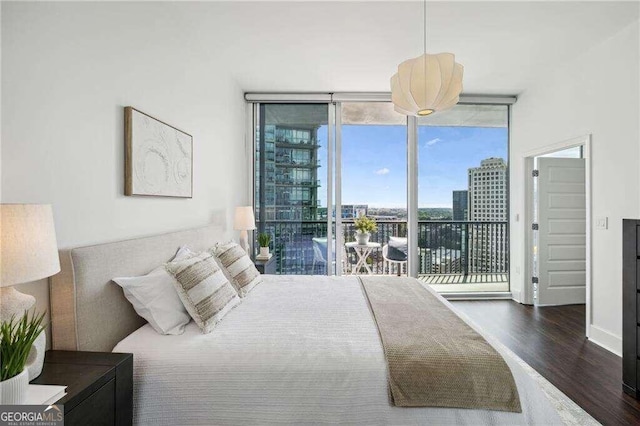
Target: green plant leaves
[16,338]
[365,224]
[264,240]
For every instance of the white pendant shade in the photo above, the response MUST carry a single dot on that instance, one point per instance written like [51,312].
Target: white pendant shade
[426,84]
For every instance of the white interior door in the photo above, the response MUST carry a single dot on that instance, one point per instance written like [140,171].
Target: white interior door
[561,231]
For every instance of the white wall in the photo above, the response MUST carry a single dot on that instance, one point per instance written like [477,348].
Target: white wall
[597,94]
[68,70]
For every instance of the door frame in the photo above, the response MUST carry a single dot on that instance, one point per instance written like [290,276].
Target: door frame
[527,158]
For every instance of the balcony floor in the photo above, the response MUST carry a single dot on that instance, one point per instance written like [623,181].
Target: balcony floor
[464,279]
[459,283]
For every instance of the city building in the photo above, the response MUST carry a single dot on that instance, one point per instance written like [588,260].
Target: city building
[460,205]
[487,199]
[287,192]
[446,261]
[289,188]
[487,239]
[349,211]
[352,211]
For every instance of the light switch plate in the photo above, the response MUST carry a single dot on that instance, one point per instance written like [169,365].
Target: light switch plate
[602,222]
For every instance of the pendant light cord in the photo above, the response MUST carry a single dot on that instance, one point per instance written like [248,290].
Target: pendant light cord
[424,15]
[425,48]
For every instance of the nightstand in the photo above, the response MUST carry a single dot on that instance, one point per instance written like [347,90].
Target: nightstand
[266,266]
[99,386]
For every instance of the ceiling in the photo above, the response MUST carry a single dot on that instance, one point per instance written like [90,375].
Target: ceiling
[339,46]
[356,46]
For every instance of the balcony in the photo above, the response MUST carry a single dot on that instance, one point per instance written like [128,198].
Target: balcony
[452,255]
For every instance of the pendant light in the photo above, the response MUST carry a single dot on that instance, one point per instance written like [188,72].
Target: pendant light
[428,83]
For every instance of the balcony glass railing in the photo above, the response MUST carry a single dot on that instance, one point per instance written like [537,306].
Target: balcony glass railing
[444,247]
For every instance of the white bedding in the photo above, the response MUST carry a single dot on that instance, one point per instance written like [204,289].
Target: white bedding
[298,350]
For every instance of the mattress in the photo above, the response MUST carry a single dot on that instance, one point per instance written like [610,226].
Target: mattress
[298,350]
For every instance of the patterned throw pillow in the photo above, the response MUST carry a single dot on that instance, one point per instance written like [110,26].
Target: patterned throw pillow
[204,290]
[240,269]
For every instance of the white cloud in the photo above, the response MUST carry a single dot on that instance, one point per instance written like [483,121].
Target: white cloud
[433,141]
[383,171]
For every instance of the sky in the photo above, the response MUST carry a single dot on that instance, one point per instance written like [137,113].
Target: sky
[374,162]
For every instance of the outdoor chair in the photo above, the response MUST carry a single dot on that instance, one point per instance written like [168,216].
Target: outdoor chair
[394,255]
[320,255]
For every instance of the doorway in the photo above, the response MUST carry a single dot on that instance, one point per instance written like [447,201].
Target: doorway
[371,180]
[557,214]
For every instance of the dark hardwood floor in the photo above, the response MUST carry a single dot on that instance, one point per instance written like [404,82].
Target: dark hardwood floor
[552,341]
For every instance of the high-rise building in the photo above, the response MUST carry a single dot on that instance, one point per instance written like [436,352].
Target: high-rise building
[289,191]
[460,210]
[488,191]
[487,239]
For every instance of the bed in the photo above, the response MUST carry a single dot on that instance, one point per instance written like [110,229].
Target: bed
[299,349]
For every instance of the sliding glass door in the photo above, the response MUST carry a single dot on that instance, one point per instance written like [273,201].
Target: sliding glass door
[372,154]
[292,171]
[463,236]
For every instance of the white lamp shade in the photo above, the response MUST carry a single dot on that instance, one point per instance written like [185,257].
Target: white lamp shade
[244,219]
[28,243]
[427,84]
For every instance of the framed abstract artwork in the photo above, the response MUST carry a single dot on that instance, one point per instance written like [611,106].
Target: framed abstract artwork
[158,157]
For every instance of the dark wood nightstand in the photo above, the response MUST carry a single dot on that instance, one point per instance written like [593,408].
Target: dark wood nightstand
[99,386]
[266,266]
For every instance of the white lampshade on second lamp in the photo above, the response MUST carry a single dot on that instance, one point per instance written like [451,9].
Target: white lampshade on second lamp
[28,252]
[244,221]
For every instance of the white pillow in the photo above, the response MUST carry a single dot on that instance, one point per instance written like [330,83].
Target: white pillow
[154,297]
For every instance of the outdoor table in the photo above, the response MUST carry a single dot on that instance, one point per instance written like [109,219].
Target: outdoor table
[362,251]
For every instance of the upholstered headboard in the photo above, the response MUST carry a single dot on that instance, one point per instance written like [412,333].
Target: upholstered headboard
[89,311]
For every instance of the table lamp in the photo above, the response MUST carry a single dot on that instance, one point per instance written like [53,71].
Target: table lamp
[244,221]
[29,252]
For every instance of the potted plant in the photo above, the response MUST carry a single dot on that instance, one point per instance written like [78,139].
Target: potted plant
[263,241]
[364,227]
[16,338]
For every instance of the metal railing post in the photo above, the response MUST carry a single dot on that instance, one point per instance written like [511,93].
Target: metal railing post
[465,250]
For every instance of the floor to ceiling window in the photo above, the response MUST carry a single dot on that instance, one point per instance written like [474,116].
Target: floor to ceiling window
[373,178]
[291,160]
[463,237]
[303,179]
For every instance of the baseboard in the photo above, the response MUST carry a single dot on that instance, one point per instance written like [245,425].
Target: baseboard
[629,390]
[605,339]
[515,295]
